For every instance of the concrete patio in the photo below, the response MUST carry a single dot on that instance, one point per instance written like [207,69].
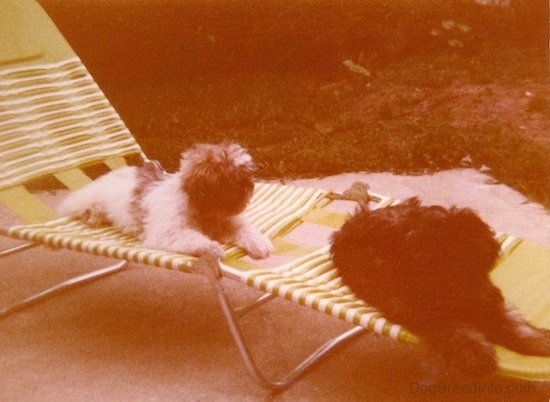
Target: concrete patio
[149,334]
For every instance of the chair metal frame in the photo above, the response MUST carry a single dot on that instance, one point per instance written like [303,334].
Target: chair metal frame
[207,265]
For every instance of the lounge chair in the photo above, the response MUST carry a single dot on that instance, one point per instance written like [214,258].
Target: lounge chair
[58,132]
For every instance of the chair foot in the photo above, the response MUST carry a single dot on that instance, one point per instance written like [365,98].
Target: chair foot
[70,283]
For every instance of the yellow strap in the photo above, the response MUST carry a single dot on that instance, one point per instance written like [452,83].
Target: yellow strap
[73,179]
[235,261]
[285,247]
[524,278]
[282,246]
[325,218]
[28,207]
[116,163]
[18,40]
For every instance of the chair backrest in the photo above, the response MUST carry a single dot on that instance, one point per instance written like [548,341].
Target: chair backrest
[53,116]
[57,128]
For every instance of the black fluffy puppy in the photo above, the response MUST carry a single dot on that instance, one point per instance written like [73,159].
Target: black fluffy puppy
[427,268]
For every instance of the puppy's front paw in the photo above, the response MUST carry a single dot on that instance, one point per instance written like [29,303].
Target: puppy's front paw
[469,352]
[257,247]
[212,248]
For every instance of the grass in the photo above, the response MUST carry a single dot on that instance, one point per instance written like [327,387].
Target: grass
[308,126]
[272,78]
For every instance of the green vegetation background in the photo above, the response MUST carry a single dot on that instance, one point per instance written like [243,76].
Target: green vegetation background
[270,75]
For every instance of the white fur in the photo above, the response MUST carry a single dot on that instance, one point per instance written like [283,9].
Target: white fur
[164,221]
[106,200]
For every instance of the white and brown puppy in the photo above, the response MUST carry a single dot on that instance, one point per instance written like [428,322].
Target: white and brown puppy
[191,211]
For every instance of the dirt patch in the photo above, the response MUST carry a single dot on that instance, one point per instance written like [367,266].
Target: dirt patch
[523,108]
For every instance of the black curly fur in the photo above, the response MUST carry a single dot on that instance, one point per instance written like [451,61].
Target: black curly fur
[427,268]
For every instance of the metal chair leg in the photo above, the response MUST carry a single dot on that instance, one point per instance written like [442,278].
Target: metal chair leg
[248,307]
[70,283]
[17,249]
[208,265]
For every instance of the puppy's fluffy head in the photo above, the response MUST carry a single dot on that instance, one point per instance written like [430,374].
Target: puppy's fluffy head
[427,268]
[430,257]
[218,179]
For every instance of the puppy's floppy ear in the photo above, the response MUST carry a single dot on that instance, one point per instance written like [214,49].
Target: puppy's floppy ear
[467,224]
[239,157]
[196,154]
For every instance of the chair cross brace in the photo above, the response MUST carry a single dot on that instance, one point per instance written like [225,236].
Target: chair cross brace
[60,287]
[208,265]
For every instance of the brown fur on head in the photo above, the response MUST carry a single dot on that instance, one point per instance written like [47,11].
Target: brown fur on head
[218,179]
